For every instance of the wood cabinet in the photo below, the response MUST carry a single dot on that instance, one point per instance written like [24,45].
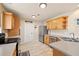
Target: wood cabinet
[11,24]
[46,39]
[50,39]
[48,25]
[8,20]
[14,52]
[57,24]
[15,31]
[57,52]
[1,12]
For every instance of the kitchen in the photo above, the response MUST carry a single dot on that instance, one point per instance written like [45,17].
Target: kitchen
[58,32]
[68,37]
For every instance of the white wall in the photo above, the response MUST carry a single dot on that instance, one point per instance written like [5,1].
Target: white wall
[72,26]
[29,32]
[23,32]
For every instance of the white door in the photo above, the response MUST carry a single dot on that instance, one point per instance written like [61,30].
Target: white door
[29,32]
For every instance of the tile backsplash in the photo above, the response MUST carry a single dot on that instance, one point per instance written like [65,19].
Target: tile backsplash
[63,33]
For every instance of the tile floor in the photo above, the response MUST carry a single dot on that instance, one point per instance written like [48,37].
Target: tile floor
[36,48]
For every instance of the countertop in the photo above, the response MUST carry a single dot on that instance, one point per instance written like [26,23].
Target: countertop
[7,49]
[69,48]
[9,45]
[14,37]
[56,37]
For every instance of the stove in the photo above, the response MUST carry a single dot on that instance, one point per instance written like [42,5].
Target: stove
[2,38]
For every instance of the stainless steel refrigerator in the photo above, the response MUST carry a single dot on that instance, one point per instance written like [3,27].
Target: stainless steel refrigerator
[42,31]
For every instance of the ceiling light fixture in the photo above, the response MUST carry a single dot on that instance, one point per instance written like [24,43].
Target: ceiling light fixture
[43,5]
[33,16]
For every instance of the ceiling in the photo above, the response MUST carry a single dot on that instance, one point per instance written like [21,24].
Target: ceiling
[26,10]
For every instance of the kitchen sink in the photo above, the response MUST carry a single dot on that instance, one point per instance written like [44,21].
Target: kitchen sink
[70,39]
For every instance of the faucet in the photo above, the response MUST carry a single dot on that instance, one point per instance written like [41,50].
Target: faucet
[73,36]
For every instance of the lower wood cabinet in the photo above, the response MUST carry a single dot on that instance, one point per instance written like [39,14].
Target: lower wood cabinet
[50,39]
[46,39]
[57,52]
[14,52]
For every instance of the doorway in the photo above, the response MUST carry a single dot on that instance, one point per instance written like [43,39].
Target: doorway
[29,31]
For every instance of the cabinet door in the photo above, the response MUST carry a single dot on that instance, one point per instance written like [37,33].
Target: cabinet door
[52,26]
[8,20]
[57,52]
[61,24]
[49,25]
[16,28]
[46,39]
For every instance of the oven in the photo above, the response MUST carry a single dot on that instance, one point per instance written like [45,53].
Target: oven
[2,38]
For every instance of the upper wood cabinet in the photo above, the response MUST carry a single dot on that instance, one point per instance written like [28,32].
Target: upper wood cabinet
[8,20]
[57,23]
[16,29]
[11,24]
[1,11]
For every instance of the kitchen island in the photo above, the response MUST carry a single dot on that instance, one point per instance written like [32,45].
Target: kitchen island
[65,48]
